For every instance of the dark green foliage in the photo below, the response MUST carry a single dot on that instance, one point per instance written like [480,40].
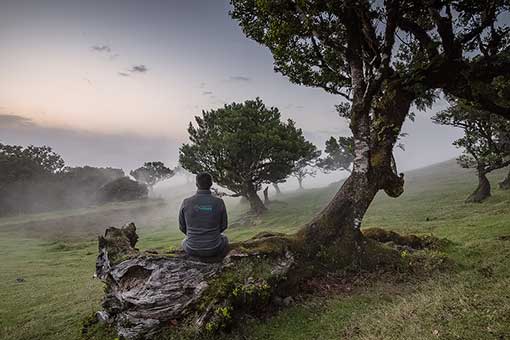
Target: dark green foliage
[244,145]
[122,189]
[21,163]
[340,154]
[151,173]
[35,179]
[296,33]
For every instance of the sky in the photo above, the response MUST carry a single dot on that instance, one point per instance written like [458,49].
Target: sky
[116,83]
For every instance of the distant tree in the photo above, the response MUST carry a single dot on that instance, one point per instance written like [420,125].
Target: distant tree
[80,184]
[242,146]
[22,163]
[306,166]
[122,189]
[340,154]
[152,173]
[276,187]
[484,142]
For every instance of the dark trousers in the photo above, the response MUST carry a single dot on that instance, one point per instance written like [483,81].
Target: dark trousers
[221,250]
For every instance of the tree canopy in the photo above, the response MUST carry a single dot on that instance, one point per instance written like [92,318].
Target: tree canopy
[152,173]
[20,163]
[242,146]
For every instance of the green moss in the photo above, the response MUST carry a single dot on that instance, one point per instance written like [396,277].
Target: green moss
[413,241]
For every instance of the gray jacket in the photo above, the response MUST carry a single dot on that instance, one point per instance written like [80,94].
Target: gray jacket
[203,217]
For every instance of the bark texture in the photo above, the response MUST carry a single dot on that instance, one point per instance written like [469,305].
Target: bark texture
[145,292]
[483,191]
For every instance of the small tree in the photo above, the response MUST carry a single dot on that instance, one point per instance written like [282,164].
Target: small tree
[152,173]
[242,146]
[340,154]
[484,143]
[306,166]
[276,187]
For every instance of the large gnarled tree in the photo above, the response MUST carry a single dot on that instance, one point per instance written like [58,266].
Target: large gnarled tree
[382,57]
[484,143]
[242,146]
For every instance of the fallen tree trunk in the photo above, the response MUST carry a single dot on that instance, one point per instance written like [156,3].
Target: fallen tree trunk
[146,292]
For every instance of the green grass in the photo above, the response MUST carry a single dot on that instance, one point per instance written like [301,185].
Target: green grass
[55,254]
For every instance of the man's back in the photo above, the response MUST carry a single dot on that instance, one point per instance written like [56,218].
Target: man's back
[203,218]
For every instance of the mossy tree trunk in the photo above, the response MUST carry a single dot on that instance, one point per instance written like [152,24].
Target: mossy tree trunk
[334,234]
[483,191]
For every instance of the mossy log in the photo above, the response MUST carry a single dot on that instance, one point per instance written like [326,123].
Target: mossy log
[146,292]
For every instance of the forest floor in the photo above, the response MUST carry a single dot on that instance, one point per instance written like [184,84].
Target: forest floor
[47,264]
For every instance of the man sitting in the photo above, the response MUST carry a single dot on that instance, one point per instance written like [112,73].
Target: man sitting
[203,218]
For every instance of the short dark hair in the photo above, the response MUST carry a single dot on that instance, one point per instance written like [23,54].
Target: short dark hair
[204,181]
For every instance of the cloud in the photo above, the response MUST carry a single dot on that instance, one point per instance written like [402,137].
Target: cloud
[138,69]
[206,93]
[239,78]
[123,74]
[101,48]
[79,147]
[15,122]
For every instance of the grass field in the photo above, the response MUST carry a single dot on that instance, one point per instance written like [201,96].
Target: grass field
[53,255]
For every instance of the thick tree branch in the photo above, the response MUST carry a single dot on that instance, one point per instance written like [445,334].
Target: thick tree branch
[445,29]
[420,34]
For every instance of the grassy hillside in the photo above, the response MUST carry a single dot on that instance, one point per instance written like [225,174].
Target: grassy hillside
[53,256]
